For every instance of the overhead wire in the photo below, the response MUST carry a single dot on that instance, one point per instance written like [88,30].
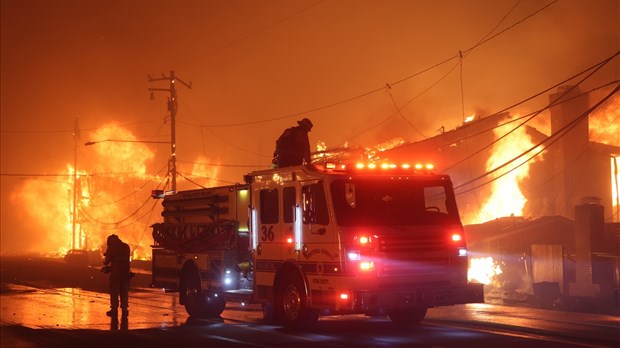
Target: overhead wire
[224,165]
[252,34]
[184,175]
[40,131]
[367,93]
[516,119]
[551,139]
[535,114]
[398,110]
[460,56]
[131,193]
[404,105]
[116,224]
[222,139]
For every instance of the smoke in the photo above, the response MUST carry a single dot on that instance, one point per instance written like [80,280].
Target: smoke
[252,62]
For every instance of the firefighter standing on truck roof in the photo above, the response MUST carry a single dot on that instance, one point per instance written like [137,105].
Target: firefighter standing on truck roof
[117,264]
[293,146]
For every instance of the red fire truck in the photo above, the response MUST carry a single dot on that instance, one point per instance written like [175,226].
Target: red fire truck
[313,240]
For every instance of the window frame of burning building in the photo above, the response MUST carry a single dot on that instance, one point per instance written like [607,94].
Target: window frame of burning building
[361,201]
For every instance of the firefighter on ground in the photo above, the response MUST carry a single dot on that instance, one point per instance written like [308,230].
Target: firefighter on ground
[117,264]
[293,146]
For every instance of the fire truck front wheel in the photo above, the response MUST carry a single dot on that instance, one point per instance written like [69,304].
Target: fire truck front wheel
[291,304]
[407,318]
[198,304]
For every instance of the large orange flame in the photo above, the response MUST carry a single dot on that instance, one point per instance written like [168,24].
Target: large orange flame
[113,197]
[604,123]
[206,172]
[506,198]
[484,270]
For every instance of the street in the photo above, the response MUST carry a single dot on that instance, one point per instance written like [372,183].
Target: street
[45,312]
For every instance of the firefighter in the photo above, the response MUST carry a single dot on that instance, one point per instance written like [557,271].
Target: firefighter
[117,264]
[293,146]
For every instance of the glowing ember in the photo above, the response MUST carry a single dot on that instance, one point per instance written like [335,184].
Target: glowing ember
[387,145]
[506,198]
[483,270]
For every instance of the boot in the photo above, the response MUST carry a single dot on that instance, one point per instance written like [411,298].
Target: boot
[112,313]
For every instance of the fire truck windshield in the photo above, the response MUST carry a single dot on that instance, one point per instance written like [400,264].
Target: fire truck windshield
[379,202]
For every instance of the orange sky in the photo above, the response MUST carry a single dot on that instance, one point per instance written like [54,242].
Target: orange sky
[252,61]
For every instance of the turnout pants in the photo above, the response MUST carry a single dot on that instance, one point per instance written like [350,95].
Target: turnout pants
[119,287]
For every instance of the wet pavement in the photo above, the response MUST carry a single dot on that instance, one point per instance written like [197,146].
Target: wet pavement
[78,309]
[31,301]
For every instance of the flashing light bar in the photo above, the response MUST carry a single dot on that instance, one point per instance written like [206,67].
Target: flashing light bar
[384,166]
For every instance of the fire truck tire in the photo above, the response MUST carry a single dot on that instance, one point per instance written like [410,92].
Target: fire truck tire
[291,304]
[198,304]
[407,318]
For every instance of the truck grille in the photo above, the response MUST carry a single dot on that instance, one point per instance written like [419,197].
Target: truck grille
[419,253]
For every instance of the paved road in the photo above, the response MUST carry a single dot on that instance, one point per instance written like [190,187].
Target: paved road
[35,313]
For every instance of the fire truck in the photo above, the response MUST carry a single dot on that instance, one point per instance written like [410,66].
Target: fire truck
[305,241]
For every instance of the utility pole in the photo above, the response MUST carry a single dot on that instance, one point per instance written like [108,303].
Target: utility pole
[172,107]
[76,137]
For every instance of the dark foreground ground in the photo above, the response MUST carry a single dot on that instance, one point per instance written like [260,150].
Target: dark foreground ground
[49,303]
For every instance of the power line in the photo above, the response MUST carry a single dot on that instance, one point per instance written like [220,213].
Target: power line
[184,175]
[215,134]
[535,114]
[467,51]
[367,93]
[551,139]
[42,131]
[130,194]
[255,33]
[225,165]
[116,223]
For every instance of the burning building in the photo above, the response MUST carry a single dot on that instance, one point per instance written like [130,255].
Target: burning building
[546,218]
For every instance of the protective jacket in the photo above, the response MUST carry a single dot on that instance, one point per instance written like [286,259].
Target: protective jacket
[292,148]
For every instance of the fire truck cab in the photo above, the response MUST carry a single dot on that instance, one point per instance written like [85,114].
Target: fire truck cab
[313,240]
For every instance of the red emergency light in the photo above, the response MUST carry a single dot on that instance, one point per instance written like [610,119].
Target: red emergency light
[360,167]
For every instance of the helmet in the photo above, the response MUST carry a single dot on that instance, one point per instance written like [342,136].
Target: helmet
[306,123]
[113,238]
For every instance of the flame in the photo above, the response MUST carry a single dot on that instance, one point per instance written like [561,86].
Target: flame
[604,128]
[113,197]
[603,123]
[387,145]
[506,198]
[121,157]
[204,170]
[483,270]
[615,190]
[470,118]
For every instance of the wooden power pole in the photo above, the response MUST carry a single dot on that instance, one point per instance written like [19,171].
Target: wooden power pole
[172,108]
